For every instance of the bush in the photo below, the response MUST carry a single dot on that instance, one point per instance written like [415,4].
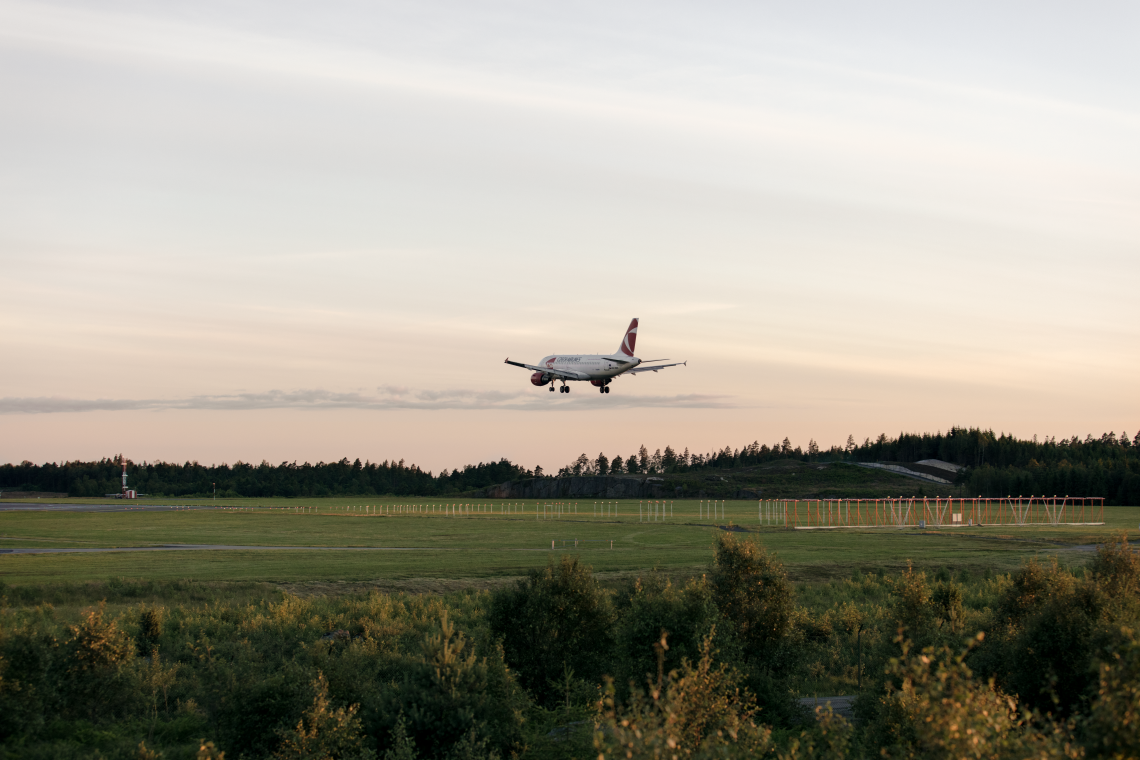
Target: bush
[1112,729]
[656,608]
[752,592]
[1116,569]
[150,630]
[324,733]
[698,710]
[453,701]
[554,622]
[911,609]
[947,602]
[1043,642]
[94,657]
[935,709]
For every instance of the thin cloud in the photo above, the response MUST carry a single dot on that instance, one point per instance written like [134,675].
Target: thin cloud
[386,398]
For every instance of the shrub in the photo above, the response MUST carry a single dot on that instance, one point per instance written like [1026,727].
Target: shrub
[947,601]
[751,590]
[150,629]
[94,658]
[698,710]
[27,686]
[1043,642]
[656,608]
[454,701]
[911,608]
[1112,729]
[555,620]
[324,733]
[1031,587]
[1116,569]
[934,708]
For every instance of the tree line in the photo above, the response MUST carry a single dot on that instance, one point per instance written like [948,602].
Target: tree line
[288,479]
[993,465]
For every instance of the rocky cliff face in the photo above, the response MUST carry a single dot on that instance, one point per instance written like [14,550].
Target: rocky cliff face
[580,487]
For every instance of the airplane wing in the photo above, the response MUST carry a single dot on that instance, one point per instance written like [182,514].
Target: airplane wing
[635,370]
[559,373]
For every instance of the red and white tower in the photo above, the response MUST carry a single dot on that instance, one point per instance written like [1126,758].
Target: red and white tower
[127,493]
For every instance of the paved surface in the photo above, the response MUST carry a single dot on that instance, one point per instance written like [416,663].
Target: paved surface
[118,506]
[215,547]
[839,705]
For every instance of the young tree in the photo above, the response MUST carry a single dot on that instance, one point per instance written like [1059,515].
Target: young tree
[556,618]
[751,589]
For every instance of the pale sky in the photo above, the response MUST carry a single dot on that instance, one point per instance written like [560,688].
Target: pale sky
[304,231]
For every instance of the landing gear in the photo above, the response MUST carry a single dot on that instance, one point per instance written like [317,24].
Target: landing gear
[606,389]
[564,389]
[552,389]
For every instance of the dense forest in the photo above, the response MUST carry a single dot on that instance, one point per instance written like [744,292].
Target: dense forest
[993,465]
[343,478]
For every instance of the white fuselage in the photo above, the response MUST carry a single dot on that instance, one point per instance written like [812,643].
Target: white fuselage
[590,366]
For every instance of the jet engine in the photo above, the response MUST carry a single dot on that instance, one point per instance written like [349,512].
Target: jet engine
[599,383]
[540,378]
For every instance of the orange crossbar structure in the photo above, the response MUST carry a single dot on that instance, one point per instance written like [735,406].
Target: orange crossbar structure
[932,511]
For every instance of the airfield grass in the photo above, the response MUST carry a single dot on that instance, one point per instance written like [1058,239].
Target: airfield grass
[422,550]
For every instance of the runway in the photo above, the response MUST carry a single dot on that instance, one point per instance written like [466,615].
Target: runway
[217,547]
[36,506]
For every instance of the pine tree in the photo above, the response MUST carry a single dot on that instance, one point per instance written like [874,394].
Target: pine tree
[601,464]
[850,444]
[581,465]
[643,459]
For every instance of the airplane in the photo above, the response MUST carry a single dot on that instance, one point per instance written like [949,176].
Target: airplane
[600,370]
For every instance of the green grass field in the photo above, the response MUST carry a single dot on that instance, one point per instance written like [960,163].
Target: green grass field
[410,549]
